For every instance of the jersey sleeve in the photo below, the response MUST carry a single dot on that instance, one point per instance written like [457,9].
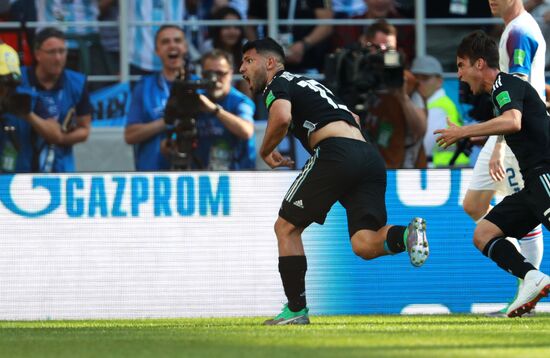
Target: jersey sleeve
[509,94]
[278,89]
[521,48]
[246,109]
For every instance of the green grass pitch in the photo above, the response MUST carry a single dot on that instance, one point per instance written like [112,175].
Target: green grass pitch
[327,336]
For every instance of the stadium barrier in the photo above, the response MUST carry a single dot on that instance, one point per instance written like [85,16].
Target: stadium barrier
[132,245]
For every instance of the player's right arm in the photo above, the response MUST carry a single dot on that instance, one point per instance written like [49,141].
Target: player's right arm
[277,127]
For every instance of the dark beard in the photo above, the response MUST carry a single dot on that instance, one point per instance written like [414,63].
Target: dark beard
[260,84]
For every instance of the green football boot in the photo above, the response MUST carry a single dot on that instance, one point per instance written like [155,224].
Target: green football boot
[288,317]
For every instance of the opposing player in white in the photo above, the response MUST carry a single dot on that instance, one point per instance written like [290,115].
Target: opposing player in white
[522,53]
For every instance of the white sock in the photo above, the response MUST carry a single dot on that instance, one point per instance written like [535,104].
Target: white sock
[532,246]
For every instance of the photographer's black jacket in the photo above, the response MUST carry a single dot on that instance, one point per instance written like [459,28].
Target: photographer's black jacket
[313,105]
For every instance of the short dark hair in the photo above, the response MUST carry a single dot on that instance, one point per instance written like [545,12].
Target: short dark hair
[478,45]
[216,54]
[264,46]
[165,27]
[46,33]
[380,26]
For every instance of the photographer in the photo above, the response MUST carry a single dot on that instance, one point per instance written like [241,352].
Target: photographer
[25,137]
[65,95]
[146,127]
[224,121]
[396,124]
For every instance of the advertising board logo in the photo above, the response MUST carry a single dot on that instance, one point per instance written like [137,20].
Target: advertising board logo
[80,196]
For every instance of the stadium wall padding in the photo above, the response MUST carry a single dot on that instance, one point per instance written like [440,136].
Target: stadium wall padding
[201,244]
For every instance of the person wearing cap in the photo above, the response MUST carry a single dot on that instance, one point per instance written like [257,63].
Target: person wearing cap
[24,129]
[429,74]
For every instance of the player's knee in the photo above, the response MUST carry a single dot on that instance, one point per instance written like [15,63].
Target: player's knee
[474,209]
[283,228]
[482,237]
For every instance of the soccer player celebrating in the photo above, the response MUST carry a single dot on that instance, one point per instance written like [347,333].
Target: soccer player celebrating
[344,167]
[522,53]
[524,122]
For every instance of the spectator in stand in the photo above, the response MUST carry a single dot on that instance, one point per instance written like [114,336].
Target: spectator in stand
[305,46]
[396,124]
[108,11]
[441,108]
[379,9]
[143,55]
[228,38]
[85,52]
[19,38]
[442,40]
[65,94]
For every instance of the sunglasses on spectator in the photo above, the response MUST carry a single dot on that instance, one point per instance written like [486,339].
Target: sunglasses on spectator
[218,74]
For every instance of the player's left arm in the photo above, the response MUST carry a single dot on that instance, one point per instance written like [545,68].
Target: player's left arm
[507,122]
[521,47]
[279,120]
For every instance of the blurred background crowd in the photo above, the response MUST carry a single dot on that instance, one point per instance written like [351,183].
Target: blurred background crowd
[155,84]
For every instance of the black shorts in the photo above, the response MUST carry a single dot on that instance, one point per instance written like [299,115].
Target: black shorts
[516,215]
[345,170]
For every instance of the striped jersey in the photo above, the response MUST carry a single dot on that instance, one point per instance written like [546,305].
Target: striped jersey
[142,38]
[68,11]
[313,106]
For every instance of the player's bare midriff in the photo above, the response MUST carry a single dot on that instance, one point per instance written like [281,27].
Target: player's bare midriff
[340,129]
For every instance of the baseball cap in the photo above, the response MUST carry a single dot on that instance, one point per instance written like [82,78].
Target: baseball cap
[427,65]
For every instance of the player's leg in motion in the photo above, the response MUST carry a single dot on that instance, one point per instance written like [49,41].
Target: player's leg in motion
[393,239]
[490,240]
[292,268]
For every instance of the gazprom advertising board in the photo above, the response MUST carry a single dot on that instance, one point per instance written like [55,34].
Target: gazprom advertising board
[202,244]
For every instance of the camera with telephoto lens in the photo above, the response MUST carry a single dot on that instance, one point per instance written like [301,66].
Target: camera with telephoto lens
[180,114]
[355,73]
[10,101]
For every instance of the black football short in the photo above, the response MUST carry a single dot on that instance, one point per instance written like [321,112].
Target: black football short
[345,170]
[516,215]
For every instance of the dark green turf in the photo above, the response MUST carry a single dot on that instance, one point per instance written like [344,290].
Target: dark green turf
[331,336]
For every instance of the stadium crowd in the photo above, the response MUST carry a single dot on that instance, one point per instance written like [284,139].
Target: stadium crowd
[398,109]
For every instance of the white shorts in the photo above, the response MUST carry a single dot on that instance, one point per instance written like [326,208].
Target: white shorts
[481,179]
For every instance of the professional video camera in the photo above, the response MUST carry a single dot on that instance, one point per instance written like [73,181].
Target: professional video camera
[180,115]
[355,73]
[10,101]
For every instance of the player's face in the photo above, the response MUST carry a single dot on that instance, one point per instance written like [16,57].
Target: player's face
[171,48]
[52,56]
[468,72]
[499,7]
[223,72]
[254,70]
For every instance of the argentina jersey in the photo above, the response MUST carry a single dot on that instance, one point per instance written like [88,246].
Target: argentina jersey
[522,50]
[69,11]
[142,38]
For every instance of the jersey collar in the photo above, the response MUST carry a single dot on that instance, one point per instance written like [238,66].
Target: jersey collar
[280,72]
